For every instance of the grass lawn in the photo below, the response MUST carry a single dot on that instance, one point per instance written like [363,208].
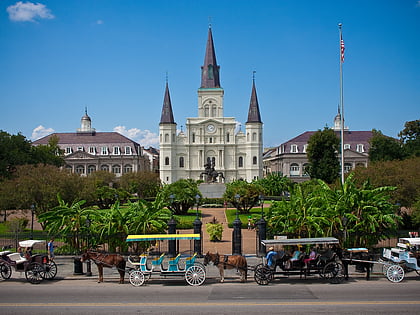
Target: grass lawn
[255,214]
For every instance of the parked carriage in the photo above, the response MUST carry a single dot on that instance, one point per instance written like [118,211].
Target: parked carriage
[36,267]
[146,265]
[326,263]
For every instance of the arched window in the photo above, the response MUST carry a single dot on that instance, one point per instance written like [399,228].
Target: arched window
[91,169]
[181,161]
[294,169]
[227,137]
[254,160]
[128,168]
[213,111]
[241,162]
[166,137]
[254,136]
[80,169]
[105,168]
[166,161]
[206,111]
[116,169]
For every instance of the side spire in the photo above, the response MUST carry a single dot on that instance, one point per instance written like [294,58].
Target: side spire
[254,115]
[167,116]
[210,69]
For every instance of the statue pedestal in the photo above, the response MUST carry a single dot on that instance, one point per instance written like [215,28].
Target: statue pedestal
[212,190]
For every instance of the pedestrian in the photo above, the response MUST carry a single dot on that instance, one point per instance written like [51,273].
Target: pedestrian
[250,223]
[51,249]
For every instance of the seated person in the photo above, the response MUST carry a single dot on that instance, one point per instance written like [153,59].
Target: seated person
[312,256]
[295,257]
[270,257]
[28,253]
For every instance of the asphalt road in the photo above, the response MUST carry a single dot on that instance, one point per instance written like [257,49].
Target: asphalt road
[76,295]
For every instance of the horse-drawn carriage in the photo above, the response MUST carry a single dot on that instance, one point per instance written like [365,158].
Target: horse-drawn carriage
[146,265]
[36,267]
[325,262]
[405,257]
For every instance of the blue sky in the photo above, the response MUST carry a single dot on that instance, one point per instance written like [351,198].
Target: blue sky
[58,57]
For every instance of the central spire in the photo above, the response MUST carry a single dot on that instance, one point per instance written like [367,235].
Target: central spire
[210,69]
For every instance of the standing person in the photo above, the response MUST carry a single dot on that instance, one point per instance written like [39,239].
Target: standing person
[51,249]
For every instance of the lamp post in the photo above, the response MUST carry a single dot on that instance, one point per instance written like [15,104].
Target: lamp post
[32,221]
[344,219]
[172,229]
[88,263]
[262,229]
[197,224]
[237,231]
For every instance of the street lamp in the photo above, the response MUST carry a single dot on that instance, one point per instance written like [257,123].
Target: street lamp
[262,229]
[32,221]
[172,229]
[197,199]
[237,197]
[262,205]
[171,200]
[88,264]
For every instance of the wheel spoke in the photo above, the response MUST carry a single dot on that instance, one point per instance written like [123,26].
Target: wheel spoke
[136,278]
[195,275]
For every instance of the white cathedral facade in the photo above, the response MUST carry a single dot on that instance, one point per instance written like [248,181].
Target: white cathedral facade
[211,136]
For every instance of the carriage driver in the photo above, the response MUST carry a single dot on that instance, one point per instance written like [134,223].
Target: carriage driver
[270,257]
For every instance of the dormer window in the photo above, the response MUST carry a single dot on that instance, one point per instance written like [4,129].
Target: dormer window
[104,150]
[69,150]
[305,146]
[92,150]
[79,148]
[360,148]
[116,150]
[127,150]
[347,146]
[294,148]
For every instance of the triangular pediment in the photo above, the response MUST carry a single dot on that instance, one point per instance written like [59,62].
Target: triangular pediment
[79,155]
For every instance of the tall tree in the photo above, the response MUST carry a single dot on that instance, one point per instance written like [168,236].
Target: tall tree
[183,192]
[275,184]
[383,148]
[322,155]
[143,184]
[410,137]
[248,194]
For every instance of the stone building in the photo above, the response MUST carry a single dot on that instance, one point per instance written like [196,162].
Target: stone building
[87,151]
[211,136]
[290,158]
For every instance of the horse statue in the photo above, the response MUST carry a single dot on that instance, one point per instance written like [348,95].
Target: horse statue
[228,262]
[210,172]
[106,260]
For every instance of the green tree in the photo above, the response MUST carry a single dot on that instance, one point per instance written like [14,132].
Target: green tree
[183,192]
[275,184]
[322,155]
[143,184]
[248,194]
[383,148]
[410,137]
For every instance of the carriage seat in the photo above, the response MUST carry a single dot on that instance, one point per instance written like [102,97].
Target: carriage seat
[173,263]
[158,261]
[17,258]
[190,261]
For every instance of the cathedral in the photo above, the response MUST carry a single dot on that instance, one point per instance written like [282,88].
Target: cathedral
[210,140]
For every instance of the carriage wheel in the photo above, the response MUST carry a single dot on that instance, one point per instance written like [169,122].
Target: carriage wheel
[34,273]
[5,271]
[136,278]
[385,268]
[50,271]
[395,273]
[195,275]
[333,271]
[263,274]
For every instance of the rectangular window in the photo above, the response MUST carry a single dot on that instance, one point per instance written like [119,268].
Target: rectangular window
[92,150]
[116,150]
[127,150]
[69,150]
[79,148]
[294,148]
[360,148]
[104,150]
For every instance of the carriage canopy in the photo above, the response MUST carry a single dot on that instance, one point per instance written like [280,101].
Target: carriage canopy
[301,241]
[161,237]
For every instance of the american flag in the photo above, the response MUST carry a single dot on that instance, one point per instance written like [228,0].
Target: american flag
[341,48]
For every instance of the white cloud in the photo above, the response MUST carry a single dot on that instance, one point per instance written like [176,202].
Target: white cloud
[145,137]
[99,22]
[28,12]
[40,132]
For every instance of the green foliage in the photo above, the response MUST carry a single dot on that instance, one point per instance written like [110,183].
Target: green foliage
[17,225]
[410,137]
[416,213]
[184,192]
[358,216]
[383,148]
[248,194]
[143,184]
[17,150]
[275,184]
[322,155]
[215,230]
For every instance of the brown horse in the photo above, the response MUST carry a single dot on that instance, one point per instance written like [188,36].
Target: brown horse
[106,260]
[228,262]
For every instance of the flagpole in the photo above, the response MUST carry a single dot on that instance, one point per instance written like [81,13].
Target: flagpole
[341,101]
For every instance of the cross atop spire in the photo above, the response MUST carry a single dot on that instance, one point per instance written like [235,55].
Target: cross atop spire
[210,69]
[167,116]
[254,109]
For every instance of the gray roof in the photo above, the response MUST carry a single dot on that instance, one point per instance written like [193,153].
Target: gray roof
[254,115]
[167,116]
[210,70]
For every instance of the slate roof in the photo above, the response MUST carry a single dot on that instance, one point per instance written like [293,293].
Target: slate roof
[254,115]
[167,116]
[210,70]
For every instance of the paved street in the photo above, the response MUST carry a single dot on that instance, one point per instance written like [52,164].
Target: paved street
[71,294]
